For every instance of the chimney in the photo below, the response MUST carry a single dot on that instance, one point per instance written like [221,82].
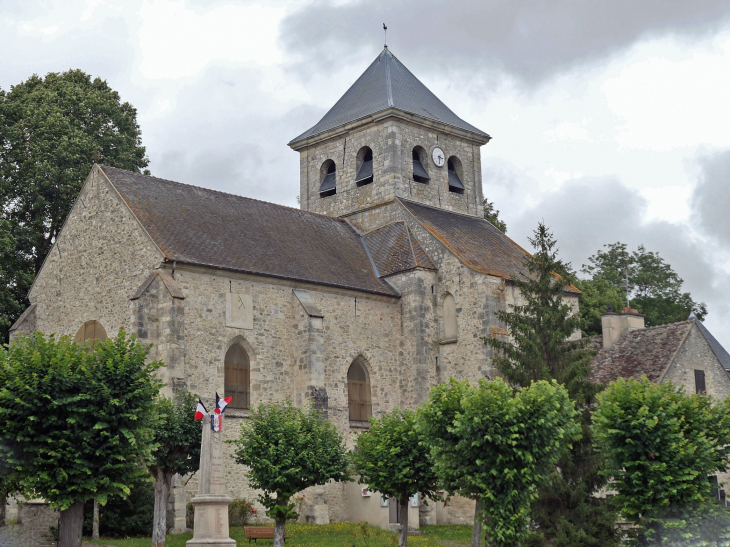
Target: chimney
[615,324]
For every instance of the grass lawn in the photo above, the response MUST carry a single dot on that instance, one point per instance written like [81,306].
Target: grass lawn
[337,534]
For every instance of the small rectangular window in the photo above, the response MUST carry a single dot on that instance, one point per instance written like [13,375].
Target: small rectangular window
[700,386]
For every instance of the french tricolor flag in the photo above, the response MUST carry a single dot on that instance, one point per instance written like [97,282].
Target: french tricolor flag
[200,411]
[221,404]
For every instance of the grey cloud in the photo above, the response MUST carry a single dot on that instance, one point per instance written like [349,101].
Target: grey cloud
[103,49]
[588,213]
[711,197]
[234,141]
[531,40]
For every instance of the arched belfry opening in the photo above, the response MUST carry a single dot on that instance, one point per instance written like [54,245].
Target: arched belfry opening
[358,392]
[328,176]
[237,377]
[455,175]
[92,332]
[364,163]
[419,162]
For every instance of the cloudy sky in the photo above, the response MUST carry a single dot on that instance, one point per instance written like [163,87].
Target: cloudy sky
[610,120]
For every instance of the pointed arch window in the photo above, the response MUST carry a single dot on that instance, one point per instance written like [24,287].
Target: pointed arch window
[91,331]
[449,312]
[358,392]
[328,173]
[237,380]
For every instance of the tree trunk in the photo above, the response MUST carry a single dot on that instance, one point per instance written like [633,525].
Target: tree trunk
[279,532]
[403,537]
[71,526]
[95,522]
[3,516]
[159,520]
[476,531]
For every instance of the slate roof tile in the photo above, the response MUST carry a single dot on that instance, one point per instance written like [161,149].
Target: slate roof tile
[394,249]
[386,83]
[474,240]
[204,227]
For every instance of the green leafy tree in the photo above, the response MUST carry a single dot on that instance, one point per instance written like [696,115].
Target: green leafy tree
[654,288]
[567,513]
[661,446]
[288,449]
[492,215]
[597,295]
[453,461]
[52,130]
[516,439]
[392,459]
[76,423]
[177,436]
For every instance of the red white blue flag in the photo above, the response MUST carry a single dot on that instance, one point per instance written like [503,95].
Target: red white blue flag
[221,404]
[200,411]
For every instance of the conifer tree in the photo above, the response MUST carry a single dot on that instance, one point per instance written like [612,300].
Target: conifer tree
[540,347]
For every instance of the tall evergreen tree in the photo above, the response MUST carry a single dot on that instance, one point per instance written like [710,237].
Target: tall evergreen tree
[540,347]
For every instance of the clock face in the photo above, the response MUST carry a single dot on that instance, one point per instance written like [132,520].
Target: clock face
[438,156]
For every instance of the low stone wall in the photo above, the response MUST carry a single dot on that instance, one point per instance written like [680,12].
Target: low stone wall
[33,527]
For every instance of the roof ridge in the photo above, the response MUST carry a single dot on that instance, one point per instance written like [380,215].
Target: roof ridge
[102,166]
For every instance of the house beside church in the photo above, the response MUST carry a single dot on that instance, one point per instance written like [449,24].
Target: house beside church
[378,288]
[684,353]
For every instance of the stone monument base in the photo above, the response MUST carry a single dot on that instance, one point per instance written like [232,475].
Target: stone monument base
[211,521]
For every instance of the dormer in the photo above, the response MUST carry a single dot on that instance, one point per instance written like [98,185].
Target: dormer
[388,136]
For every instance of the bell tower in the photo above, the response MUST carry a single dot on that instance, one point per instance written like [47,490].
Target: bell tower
[388,136]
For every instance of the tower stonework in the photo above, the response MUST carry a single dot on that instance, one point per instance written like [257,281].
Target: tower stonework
[393,115]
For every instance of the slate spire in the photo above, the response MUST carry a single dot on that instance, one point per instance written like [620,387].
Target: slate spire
[387,83]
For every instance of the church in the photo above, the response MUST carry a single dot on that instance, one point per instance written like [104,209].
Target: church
[380,286]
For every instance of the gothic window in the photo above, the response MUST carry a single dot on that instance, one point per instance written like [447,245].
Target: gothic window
[91,330]
[358,392]
[237,381]
[419,171]
[455,175]
[328,176]
[449,311]
[364,165]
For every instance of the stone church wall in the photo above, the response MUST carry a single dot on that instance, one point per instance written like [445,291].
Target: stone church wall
[99,260]
[278,346]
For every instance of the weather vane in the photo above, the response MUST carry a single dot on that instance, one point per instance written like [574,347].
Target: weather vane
[385,30]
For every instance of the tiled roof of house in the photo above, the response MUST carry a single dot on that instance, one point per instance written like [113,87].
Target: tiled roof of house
[639,352]
[387,83]
[204,227]
[394,249]
[474,240]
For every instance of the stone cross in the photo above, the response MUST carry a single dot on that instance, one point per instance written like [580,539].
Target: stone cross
[211,504]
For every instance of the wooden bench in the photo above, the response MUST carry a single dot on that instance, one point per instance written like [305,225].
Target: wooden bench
[259,532]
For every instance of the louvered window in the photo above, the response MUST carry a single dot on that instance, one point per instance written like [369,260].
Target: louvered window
[237,381]
[419,171]
[328,187]
[455,184]
[700,386]
[358,392]
[90,331]
[365,170]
